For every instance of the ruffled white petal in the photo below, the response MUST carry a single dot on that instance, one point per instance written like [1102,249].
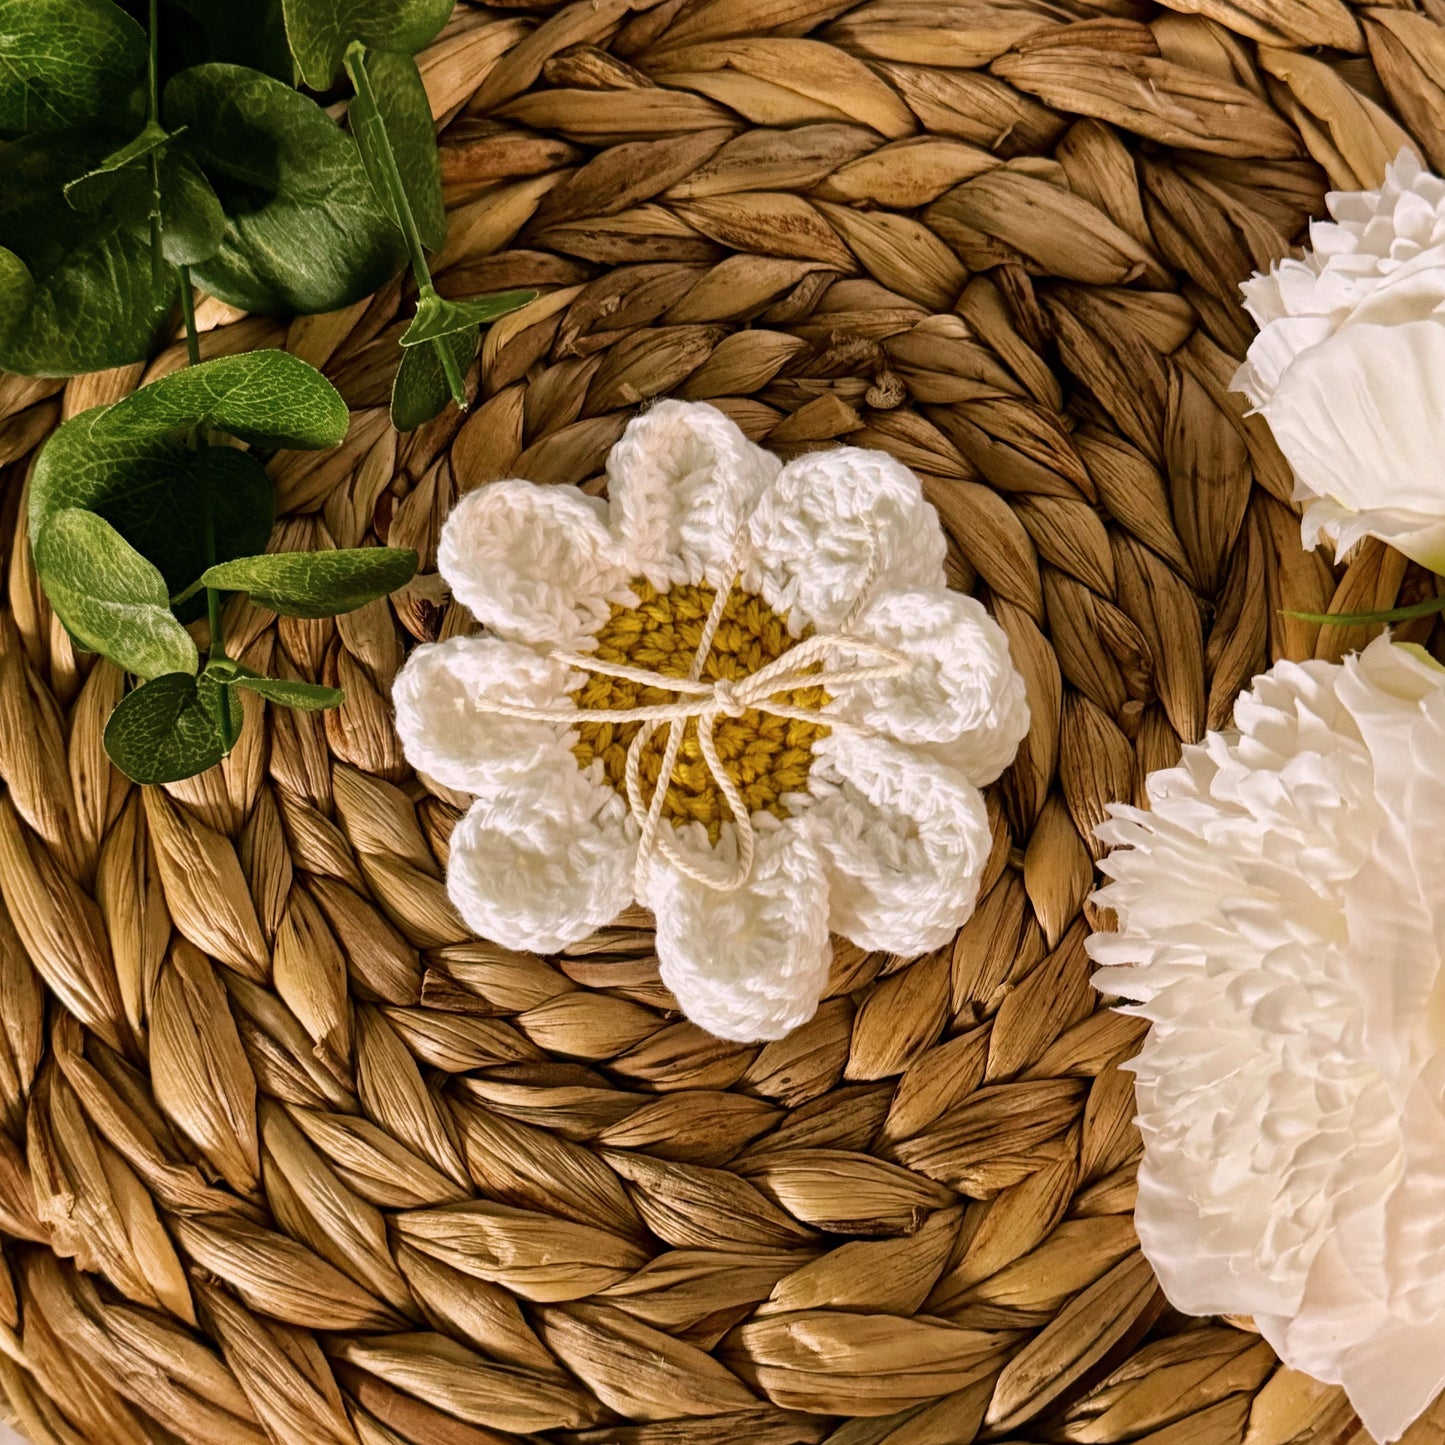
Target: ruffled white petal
[681,482]
[815,531]
[1281,922]
[1361,418]
[1392,1374]
[962,701]
[449,735]
[1345,367]
[543,863]
[1419,537]
[534,564]
[904,837]
[752,964]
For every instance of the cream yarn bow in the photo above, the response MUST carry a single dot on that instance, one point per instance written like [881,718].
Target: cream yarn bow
[705,702]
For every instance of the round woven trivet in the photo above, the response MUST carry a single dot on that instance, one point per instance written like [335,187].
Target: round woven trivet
[285,1153]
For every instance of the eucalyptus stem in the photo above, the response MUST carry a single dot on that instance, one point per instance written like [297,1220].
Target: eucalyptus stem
[188,312]
[401,206]
[217,651]
[153,115]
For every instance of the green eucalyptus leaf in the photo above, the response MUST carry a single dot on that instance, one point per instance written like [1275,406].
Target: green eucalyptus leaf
[172,728]
[269,397]
[149,177]
[421,390]
[316,584]
[401,118]
[303,231]
[16,289]
[193,225]
[157,495]
[109,597]
[320,30]
[66,63]
[96,301]
[310,696]
[437,317]
[92,190]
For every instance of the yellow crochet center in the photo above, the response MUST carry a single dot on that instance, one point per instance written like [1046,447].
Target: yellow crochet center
[765,756]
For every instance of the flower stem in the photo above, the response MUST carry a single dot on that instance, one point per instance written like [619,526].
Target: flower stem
[1427,608]
[401,206]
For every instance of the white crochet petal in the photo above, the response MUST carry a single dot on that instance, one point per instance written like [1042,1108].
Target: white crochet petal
[681,482]
[447,736]
[752,964]
[543,863]
[962,701]
[534,564]
[815,529]
[905,839]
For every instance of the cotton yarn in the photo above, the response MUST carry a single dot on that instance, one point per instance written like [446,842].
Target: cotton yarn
[856,806]
[767,756]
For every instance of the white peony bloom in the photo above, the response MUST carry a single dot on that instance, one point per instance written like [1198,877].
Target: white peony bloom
[859,800]
[1281,920]
[1349,366]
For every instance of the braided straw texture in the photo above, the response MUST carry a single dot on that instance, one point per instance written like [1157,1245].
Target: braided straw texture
[285,1154]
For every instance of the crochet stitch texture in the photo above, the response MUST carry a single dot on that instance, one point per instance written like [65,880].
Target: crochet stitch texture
[767,756]
[860,806]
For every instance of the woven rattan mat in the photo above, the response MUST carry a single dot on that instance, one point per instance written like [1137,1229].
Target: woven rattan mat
[251,1063]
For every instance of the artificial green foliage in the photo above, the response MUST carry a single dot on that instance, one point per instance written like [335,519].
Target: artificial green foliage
[304,231]
[437,317]
[67,63]
[309,696]
[155,189]
[174,727]
[16,290]
[100,184]
[421,389]
[180,502]
[192,223]
[180,506]
[96,301]
[144,512]
[110,598]
[142,162]
[396,113]
[320,30]
[316,584]
[268,398]
[437,321]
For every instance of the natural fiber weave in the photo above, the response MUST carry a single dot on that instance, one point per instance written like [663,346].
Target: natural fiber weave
[284,1153]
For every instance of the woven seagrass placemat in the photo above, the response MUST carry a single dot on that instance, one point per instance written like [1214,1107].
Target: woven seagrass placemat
[250,1061]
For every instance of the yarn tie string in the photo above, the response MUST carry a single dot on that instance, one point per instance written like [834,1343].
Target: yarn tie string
[804,666]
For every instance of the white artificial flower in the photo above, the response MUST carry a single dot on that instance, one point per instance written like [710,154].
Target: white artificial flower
[869,821]
[1349,366]
[1281,919]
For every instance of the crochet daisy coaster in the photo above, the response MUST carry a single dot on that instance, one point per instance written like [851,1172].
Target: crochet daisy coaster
[738,693]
